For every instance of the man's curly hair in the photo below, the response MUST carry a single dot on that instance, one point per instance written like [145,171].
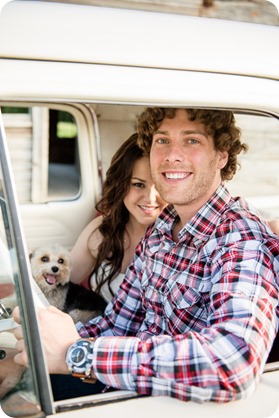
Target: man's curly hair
[220,124]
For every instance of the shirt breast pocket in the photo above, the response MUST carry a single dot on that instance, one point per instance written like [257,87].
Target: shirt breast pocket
[182,297]
[184,308]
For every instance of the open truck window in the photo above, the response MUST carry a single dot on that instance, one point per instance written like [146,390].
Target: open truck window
[260,131]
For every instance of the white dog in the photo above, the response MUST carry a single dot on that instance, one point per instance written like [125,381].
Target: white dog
[51,269]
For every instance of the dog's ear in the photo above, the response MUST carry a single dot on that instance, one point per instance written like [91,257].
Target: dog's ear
[32,252]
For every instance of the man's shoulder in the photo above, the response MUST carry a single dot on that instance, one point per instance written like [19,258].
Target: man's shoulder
[241,218]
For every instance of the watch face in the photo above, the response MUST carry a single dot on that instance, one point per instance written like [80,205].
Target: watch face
[78,355]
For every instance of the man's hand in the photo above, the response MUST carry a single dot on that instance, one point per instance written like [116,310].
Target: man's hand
[10,372]
[58,332]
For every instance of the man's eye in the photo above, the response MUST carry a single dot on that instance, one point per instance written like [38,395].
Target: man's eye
[45,259]
[193,141]
[161,141]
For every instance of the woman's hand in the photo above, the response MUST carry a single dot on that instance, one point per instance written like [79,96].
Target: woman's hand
[58,332]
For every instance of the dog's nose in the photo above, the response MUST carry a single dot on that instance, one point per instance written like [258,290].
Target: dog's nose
[54,269]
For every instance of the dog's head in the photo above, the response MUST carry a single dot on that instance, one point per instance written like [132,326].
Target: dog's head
[51,266]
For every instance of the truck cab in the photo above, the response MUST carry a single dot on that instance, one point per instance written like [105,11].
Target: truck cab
[74,79]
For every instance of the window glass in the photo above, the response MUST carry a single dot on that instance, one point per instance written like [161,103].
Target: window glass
[21,400]
[20,392]
[44,153]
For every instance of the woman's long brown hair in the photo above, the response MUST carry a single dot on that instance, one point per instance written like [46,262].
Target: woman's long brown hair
[115,214]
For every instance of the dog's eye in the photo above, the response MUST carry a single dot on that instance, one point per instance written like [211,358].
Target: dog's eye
[45,259]
[61,260]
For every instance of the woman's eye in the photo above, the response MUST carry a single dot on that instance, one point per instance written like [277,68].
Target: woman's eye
[138,185]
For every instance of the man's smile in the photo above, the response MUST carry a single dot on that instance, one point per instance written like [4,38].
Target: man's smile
[176,176]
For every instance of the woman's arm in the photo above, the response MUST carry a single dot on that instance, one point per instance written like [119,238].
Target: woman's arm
[85,250]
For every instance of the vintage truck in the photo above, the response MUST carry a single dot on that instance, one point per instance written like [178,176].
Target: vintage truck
[73,79]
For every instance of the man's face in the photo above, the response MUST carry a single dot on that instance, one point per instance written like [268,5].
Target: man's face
[185,166]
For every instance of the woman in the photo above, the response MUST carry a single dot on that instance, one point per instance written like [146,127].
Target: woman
[129,204]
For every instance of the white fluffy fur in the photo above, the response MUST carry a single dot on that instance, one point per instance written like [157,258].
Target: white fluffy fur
[51,269]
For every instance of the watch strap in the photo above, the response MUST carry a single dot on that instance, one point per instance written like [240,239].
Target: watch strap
[84,378]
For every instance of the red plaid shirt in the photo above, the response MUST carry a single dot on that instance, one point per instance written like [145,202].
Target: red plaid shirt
[200,313]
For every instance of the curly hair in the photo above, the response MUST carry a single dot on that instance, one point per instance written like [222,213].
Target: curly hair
[115,214]
[218,123]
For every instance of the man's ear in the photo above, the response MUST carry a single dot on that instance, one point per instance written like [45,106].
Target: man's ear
[223,159]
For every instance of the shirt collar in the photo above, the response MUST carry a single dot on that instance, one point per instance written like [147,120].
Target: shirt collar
[203,223]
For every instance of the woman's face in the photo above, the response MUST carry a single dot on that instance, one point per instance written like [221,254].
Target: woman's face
[142,200]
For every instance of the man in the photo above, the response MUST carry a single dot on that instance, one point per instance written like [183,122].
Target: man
[197,312]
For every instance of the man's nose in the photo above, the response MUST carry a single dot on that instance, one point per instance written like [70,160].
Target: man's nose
[174,153]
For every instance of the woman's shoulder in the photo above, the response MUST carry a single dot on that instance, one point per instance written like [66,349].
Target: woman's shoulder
[94,235]
[95,223]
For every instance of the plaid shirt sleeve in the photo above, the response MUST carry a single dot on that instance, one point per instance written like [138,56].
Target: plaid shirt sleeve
[124,314]
[221,361]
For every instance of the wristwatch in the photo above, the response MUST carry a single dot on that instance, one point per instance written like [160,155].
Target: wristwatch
[79,359]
